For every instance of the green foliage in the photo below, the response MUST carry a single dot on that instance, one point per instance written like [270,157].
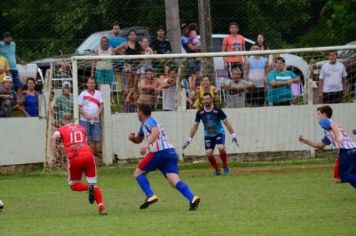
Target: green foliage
[337,25]
[43,28]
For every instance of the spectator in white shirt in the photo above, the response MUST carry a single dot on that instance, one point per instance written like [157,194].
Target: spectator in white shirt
[332,80]
[90,103]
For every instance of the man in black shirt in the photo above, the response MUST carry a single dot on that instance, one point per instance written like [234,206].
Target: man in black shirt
[161,45]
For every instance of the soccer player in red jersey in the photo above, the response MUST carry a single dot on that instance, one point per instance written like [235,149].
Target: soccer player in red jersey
[80,159]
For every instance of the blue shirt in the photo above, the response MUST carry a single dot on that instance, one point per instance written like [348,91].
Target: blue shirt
[211,121]
[145,131]
[31,104]
[116,41]
[281,93]
[9,51]
[185,41]
[329,136]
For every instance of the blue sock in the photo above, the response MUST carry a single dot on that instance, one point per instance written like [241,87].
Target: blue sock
[185,190]
[145,185]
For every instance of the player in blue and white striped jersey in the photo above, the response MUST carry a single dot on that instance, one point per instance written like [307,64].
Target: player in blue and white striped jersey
[345,164]
[159,154]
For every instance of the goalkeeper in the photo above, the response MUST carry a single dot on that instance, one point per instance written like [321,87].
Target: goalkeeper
[214,133]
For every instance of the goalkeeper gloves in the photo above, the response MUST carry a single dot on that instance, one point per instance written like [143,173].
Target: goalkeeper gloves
[185,145]
[234,139]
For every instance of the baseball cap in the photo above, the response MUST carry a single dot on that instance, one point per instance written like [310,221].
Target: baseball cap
[66,84]
[7,78]
[6,34]
[183,26]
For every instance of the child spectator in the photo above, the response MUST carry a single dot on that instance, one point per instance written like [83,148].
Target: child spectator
[193,36]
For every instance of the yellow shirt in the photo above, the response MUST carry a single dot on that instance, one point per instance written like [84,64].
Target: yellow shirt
[199,101]
[4,68]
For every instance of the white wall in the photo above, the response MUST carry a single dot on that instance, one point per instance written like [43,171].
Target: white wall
[265,129]
[22,140]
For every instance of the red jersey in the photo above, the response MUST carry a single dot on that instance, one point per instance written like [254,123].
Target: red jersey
[74,138]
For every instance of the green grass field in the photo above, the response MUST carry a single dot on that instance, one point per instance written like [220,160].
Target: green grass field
[288,198]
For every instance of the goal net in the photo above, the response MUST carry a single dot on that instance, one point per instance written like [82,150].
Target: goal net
[269,96]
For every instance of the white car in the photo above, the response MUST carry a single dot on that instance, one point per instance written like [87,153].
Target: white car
[31,70]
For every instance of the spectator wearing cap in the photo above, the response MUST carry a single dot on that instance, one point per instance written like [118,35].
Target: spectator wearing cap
[185,39]
[29,99]
[8,50]
[8,98]
[279,83]
[4,68]
[63,104]
[160,44]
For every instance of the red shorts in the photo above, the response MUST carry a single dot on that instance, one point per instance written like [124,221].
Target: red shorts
[337,168]
[84,162]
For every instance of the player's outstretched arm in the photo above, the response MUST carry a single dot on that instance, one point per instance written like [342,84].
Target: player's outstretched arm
[231,131]
[319,145]
[135,138]
[192,132]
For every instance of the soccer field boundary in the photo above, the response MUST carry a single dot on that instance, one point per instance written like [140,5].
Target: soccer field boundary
[281,165]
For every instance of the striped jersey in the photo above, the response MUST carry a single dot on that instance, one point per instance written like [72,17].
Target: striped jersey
[329,138]
[145,131]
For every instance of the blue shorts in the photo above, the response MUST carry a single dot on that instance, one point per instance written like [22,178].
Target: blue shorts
[104,76]
[210,142]
[16,82]
[346,164]
[166,161]
[93,130]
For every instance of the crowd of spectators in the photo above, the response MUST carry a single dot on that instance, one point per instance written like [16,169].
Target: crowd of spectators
[252,81]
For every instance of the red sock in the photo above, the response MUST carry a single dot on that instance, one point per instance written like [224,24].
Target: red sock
[213,163]
[79,187]
[98,196]
[223,158]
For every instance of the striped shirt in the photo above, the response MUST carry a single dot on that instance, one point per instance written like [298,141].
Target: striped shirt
[329,138]
[145,131]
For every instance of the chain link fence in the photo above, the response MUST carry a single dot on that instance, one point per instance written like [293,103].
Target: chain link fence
[51,28]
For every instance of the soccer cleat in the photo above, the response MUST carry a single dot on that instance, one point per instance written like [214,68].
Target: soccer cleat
[227,171]
[149,201]
[194,203]
[102,210]
[216,173]
[91,197]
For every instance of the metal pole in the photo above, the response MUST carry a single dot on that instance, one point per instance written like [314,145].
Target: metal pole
[75,90]
[173,24]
